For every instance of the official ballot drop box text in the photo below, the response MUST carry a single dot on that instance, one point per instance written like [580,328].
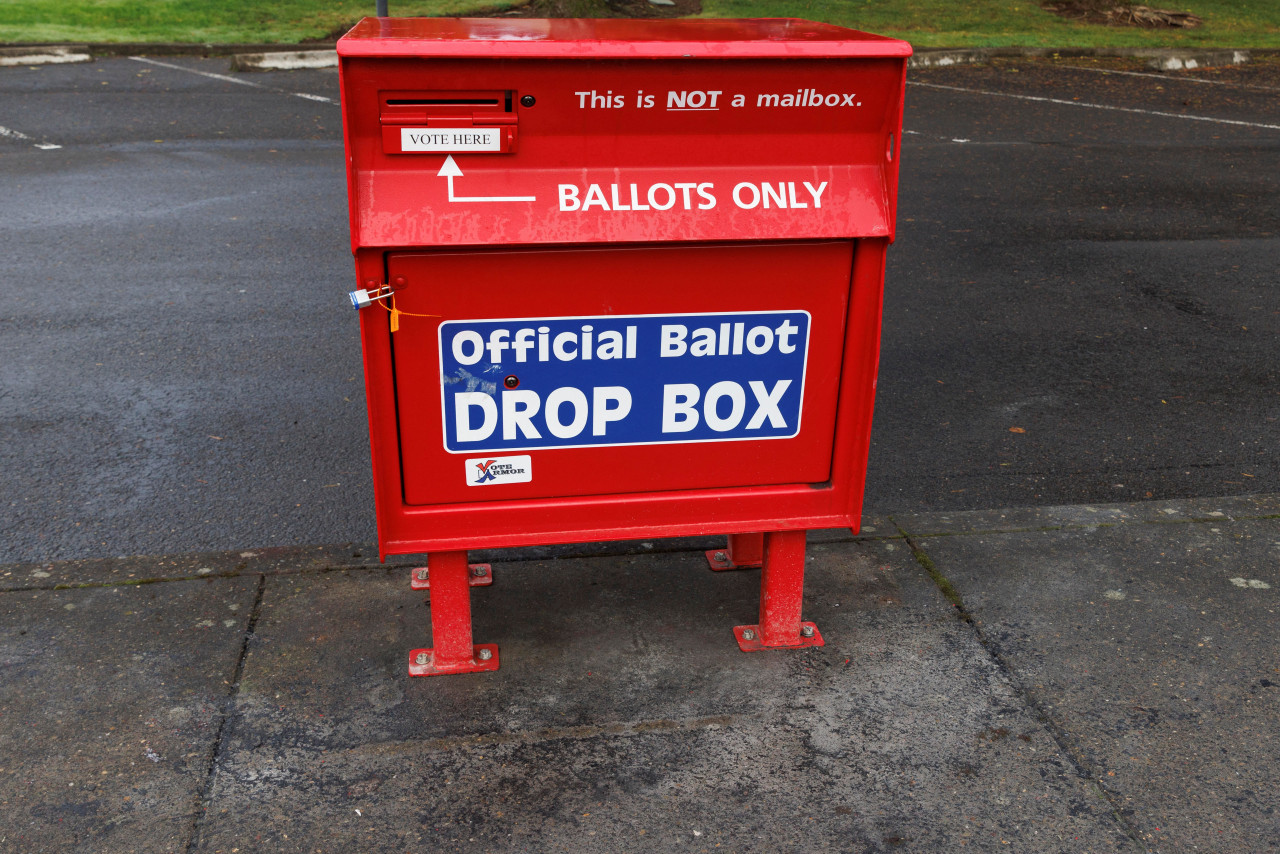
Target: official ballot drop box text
[619,279]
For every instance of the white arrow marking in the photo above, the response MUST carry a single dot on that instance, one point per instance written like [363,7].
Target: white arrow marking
[450,170]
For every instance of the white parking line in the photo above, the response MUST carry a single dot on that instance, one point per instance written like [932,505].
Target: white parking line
[238,81]
[1234,83]
[19,136]
[1110,107]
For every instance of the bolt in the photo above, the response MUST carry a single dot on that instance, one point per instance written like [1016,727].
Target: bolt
[422,658]
[748,634]
[527,101]
[806,631]
[720,557]
[485,654]
[511,381]
[422,575]
[479,571]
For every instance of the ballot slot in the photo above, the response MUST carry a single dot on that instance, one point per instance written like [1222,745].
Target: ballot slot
[482,121]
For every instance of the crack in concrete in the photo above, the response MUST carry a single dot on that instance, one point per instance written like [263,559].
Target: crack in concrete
[1059,735]
[204,794]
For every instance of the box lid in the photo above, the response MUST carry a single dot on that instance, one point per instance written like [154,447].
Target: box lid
[612,37]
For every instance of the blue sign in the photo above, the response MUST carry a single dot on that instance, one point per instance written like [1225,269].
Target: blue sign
[573,382]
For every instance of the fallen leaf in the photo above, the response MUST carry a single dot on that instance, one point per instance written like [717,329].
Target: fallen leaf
[1017,430]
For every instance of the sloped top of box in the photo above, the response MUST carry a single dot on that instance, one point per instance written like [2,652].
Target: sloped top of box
[612,38]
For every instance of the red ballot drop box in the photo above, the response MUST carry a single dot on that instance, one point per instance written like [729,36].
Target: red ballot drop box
[618,279]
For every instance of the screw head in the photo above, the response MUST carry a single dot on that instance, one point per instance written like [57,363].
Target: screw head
[484,654]
[748,634]
[806,631]
[720,557]
[422,575]
[422,658]
[527,101]
[479,571]
[511,382]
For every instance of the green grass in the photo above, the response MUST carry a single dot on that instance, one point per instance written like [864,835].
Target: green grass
[1022,23]
[213,21]
[924,23]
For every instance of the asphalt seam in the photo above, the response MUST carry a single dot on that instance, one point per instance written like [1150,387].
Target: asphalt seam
[407,565]
[1090,526]
[234,573]
[204,794]
[1060,737]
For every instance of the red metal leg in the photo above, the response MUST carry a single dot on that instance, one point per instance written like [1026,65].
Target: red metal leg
[781,598]
[745,551]
[453,651]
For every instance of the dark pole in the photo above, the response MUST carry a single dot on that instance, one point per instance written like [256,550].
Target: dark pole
[382,8]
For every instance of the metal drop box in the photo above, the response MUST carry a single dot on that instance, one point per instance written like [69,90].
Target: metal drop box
[619,279]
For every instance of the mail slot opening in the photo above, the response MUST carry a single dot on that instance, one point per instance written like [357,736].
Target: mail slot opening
[395,104]
[444,120]
[448,102]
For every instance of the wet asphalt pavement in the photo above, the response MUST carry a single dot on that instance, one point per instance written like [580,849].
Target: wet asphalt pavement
[1081,304]
[1097,270]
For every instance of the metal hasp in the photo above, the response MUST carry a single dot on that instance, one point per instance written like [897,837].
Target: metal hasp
[618,279]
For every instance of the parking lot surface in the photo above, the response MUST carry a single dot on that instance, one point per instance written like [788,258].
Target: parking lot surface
[1080,305]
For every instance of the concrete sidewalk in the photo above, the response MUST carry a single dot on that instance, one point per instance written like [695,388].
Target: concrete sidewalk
[1057,679]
